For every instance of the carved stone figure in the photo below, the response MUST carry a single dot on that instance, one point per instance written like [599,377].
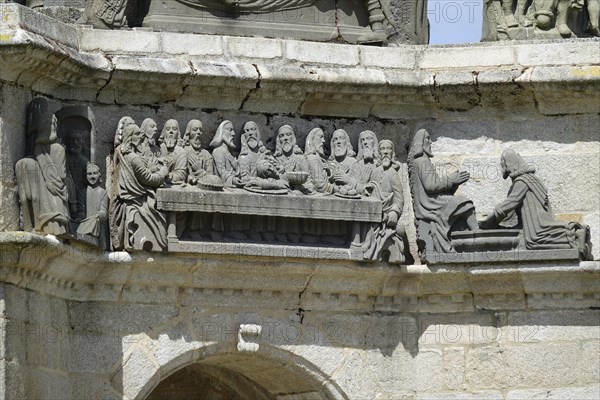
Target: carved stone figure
[289,158]
[226,165]
[41,181]
[76,175]
[200,162]
[108,13]
[174,156]
[96,217]
[528,199]
[367,160]
[341,160]
[137,222]
[252,150]
[149,144]
[123,123]
[317,165]
[438,211]
[386,185]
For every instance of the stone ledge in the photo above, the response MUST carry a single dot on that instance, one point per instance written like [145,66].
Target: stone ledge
[81,273]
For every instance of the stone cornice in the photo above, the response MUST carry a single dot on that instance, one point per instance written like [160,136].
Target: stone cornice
[81,273]
[285,76]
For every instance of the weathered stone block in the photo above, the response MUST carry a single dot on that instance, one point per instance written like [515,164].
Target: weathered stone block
[321,53]
[190,44]
[255,47]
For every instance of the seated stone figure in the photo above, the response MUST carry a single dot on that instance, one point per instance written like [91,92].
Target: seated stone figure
[174,156]
[96,212]
[200,162]
[386,186]
[226,165]
[438,211]
[149,138]
[341,161]
[317,165]
[528,198]
[42,182]
[367,161]
[137,223]
[252,150]
[289,158]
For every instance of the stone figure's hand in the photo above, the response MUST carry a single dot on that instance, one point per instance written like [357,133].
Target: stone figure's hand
[340,178]
[458,178]
[164,172]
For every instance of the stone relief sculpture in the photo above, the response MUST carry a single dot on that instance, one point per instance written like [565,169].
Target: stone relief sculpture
[438,211]
[42,182]
[540,19]
[146,169]
[291,163]
[340,162]
[528,199]
[318,168]
[95,223]
[173,155]
[226,164]
[76,175]
[137,223]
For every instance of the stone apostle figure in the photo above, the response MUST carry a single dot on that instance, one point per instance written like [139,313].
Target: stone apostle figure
[438,211]
[317,165]
[225,163]
[175,157]
[387,186]
[367,161]
[76,174]
[137,222]
[41,181]
[95,222]
[252,150]
[149,138]
[200,162]
[341,159]
[528,198]
[289,157]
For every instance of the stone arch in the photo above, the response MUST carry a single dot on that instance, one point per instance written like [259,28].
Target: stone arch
[271,372]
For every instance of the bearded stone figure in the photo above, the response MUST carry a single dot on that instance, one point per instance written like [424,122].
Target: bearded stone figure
[438,211]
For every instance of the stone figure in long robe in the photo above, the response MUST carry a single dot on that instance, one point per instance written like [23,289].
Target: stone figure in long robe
[367,161]
[96,218]
[174,156]
[341,160]
[289,158]
[317,163]
[385,185]
[139,225]
[438,211]
[528,198]
[149,145]
[42,183]
[76,174]
[226,165]
[200,162]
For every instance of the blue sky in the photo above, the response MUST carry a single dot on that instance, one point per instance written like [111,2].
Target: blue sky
[455,21]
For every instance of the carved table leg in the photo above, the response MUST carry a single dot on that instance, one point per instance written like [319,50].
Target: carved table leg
[172,229]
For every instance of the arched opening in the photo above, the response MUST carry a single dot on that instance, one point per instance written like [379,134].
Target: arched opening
[245,376]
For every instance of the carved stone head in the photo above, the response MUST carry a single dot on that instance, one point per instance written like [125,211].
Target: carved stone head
[513,164]
[93,175]
[341,147]
[387,153]
[224,134]
[286,141]
[131,139]
[315,142]
[170,134]
[123,123]
[250,138]
[421,144]
[368,148]
[148,131]
[193,134]
[75,141]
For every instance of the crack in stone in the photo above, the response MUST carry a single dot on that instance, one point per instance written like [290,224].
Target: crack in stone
[110,76]
[250,92]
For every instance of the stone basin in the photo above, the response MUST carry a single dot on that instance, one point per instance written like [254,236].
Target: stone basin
[486,240]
